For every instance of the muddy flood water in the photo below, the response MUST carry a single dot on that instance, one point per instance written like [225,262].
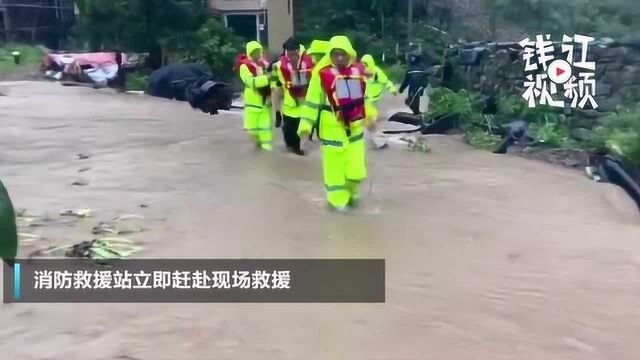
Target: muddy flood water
[487,256]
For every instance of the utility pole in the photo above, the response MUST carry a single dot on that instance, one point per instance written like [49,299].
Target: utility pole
[410,22]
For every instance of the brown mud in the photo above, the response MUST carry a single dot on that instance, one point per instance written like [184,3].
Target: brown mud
[488,257]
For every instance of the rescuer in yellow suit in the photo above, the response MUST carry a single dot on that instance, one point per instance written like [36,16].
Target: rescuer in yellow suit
[292,74]
[377,82]
[317,50]
[343,148]
[257,96]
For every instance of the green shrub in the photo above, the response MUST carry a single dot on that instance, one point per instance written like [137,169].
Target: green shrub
[511,107]
[553,134]
[482,139]
[444,101]
[137,81]
[395,73]
[621,134]
[214,45]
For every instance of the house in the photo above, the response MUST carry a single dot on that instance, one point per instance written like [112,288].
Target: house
[42,21]
[3,22]
[268,21]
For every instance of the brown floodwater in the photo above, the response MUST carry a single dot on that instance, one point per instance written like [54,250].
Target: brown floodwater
[487,256]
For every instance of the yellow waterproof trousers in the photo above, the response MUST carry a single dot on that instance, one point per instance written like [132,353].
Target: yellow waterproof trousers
[344,168]
[372,109]
[257,123]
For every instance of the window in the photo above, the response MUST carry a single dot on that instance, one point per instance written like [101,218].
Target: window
[243,25]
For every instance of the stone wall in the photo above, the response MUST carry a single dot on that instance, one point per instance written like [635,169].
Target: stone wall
[498,69]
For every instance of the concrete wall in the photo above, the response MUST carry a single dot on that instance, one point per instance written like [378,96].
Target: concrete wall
[279,16]
[279,22]
[235,5]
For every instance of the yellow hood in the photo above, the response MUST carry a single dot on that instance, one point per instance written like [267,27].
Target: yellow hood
[253,46]
[368,61]
[342,42]
[318,47]
[337,42]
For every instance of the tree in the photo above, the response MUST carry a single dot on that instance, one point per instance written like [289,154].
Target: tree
[612,18]
[139,25]
[214,46]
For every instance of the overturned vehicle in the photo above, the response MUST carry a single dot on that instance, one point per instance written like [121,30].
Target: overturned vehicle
[192,83]
[99,70]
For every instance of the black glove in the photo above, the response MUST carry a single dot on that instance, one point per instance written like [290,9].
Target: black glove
[278,119]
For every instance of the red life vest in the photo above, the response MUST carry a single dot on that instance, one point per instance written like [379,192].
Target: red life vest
[243,59]
[345,89]
[296,78]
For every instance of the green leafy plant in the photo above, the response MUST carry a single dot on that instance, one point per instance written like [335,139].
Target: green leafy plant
[482,139]
[214,45]
[444,101]
[136,81]
[552,134]
[621,134]
[395,72]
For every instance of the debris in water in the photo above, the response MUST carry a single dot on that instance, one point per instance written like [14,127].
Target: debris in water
[592,173]
[105,248]
[83,156]
[26,239]
[107,228]
[417,144]
[84,169]
[80,183]
[144,206]
[126,217]
[30,236]
[81,213]
[104,228]
[30,220]
[98,249]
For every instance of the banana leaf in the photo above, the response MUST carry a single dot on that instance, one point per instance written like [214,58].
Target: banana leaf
[8,229]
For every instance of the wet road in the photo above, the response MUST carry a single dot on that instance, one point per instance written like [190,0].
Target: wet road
[488,257]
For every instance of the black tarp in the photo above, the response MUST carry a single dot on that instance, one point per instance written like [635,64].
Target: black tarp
[193,83]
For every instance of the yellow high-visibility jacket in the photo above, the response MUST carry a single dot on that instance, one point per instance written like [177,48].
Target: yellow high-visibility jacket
[252,98]
[290,107]
[318,49]
[378,82]
[332,131]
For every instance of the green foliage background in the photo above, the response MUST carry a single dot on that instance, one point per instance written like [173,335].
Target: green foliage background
[379,27]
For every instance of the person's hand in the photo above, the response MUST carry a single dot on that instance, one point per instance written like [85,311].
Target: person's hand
[278,119]
[372,126]
[304,141]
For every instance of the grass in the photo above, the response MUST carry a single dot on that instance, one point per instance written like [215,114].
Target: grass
[30,58]
[136,81]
